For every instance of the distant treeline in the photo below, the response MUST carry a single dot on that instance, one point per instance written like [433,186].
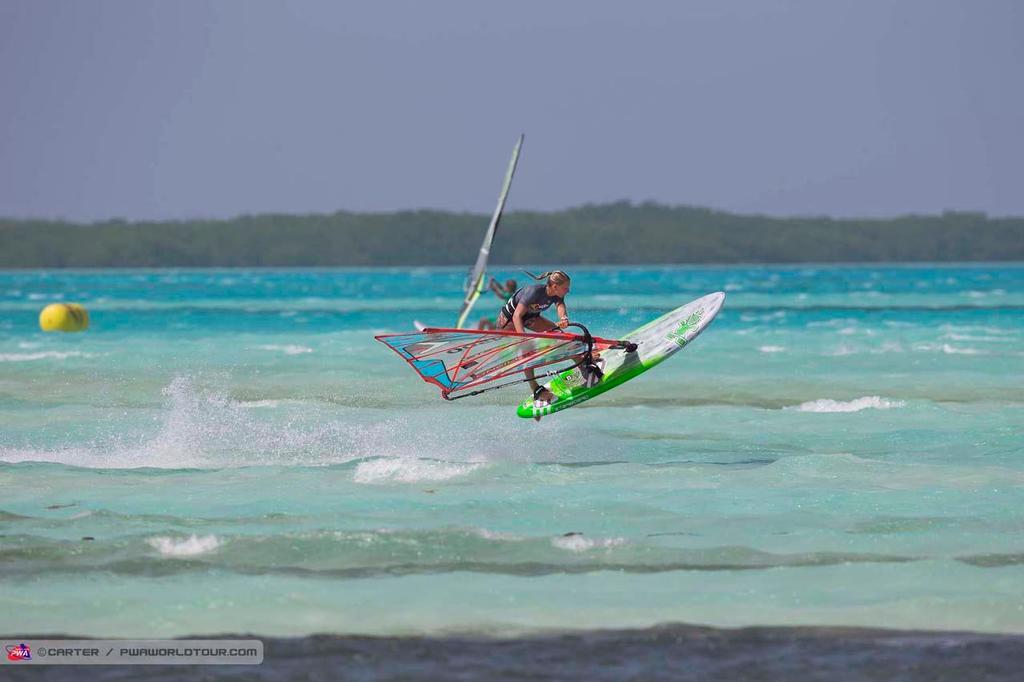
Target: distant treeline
[593,234]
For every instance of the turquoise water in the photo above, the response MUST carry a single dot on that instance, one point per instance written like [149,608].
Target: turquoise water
[842,446]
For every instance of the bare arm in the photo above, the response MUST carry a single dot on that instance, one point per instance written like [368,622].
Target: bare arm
[517,317]
[563,316]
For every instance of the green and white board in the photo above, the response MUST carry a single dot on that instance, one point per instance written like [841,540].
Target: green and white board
[656,342]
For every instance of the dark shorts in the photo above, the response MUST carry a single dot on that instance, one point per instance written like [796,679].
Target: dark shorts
[506,323]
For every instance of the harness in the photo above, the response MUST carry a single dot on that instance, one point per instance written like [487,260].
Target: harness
[509,309]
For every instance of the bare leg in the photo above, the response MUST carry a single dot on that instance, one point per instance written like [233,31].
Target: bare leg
[539,324]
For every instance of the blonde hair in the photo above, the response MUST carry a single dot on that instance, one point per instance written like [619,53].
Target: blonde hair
[551,277]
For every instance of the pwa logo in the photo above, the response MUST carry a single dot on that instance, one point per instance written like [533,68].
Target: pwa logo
[18,652]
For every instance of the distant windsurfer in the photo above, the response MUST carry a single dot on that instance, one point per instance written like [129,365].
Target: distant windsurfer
[503,293]
[523,310]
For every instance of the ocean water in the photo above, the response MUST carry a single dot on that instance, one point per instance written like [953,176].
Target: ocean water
[231,451]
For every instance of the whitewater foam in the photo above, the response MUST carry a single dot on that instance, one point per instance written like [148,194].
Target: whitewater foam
[948,349]
[579,543]
[409,470]
[494,535]
[44,355]
[827,405]
[193,545]
[969,337]
[287,349]
[259,403]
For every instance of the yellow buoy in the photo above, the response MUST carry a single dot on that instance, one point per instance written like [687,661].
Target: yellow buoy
[64,317]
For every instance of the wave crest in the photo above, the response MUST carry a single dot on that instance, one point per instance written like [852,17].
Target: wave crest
[827,405]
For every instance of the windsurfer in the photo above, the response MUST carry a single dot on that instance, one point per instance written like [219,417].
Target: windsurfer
[523,310]
[503,293]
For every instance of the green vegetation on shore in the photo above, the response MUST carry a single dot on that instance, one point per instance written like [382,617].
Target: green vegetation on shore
[593,234]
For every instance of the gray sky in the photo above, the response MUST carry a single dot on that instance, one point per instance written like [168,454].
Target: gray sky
[144,109]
